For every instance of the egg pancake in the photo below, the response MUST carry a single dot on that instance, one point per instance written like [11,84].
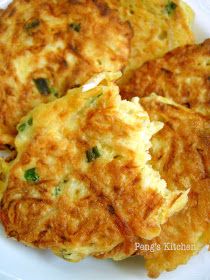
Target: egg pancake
[180,152]
[158,27]
[182,75]
[81,183]
[47,47]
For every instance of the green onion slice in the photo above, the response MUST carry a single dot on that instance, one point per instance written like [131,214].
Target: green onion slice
[170,7]
[75,26]
[92,154]
[31,175]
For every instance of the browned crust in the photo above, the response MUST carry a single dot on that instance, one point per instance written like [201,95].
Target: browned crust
[155,32]
[180,152]
[33,216]
[95,48]
[182,75]
[182,158]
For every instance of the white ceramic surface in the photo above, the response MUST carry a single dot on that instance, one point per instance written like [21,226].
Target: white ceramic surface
[18,262]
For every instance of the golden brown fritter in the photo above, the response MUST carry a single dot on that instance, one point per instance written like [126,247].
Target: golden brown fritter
[182,75]
[81,183]
[159,26]
[180,152]
[47,47]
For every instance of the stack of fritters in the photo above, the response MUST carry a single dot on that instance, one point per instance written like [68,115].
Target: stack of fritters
[47,47]
[81,183]
[84,181]
[180,152]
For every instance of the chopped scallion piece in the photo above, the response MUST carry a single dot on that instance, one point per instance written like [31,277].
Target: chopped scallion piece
[92,154]
[75,26]
[22,127]
[42,86]
[31,175]
[54,92]
[65,254]
[57,191]
[32,24]
[30,122]
[170,7]
[96,152]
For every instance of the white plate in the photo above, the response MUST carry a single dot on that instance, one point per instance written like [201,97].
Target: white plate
[18,262]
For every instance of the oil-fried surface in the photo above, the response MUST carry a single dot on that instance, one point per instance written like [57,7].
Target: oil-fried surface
[180,152]
[182,75]
[81,183]
[159,26]
[63,41]
[4,169]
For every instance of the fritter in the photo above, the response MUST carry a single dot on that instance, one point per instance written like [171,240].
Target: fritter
[180,152]
[81,183]
[159,26]
[182,75]
[47,47]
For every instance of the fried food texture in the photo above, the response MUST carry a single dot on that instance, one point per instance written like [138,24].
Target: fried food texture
[4,169]
[182,75]
[81,183]
[158,26]
[180,152]
[47,47]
